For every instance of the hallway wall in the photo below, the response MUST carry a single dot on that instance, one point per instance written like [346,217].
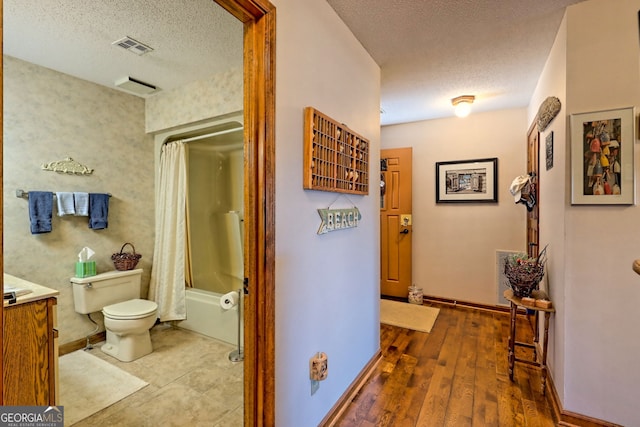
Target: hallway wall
[327,286]
[601,373]
[454,244]
[554,192]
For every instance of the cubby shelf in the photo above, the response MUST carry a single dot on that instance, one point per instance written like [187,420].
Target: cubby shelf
[335,157]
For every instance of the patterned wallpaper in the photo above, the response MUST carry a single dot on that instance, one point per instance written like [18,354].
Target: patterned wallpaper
[49,116]
[200,100]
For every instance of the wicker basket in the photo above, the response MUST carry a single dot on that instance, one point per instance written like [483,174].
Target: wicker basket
[126,261]
[525,273]
[524,279]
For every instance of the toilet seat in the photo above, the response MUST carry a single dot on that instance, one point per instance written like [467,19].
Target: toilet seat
[132,309]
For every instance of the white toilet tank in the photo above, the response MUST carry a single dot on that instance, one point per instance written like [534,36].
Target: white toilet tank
[92,293]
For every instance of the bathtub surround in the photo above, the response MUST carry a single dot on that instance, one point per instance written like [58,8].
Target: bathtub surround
[216,207]
[214,258]
[206,316]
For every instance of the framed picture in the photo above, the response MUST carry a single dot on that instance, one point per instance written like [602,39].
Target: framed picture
[602,157]
[549,150]
[467,181]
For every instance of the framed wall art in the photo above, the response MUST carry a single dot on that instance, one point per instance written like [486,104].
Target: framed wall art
[467,181]
[602,157]
[549,150]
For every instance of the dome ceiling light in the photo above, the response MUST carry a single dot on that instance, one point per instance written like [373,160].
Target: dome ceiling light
[462,105]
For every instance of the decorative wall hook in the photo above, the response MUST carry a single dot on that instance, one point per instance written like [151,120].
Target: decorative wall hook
[69,166]
[548,110]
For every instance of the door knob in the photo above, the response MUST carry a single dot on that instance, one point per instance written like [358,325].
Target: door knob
[404,231]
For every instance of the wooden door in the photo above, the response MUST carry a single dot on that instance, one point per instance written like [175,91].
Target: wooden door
[533,168]
[395,222]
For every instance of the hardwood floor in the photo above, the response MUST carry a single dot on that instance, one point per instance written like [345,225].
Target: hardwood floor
[457,375]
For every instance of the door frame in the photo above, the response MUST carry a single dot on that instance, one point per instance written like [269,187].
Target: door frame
[259,18]
[400,152]
[533,169]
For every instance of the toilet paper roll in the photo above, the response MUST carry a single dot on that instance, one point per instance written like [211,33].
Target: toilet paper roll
[229,300]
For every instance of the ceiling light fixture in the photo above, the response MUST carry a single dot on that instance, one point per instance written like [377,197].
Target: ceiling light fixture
[462,105]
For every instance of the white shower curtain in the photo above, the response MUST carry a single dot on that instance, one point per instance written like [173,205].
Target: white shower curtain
[167,286]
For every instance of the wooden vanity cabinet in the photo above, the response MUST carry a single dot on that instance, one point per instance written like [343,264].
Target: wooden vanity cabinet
[29,353]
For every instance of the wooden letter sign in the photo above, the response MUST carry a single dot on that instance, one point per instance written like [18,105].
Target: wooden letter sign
[338,219]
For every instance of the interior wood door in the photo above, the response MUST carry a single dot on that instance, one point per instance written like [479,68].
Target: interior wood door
[533,168]
[395,222]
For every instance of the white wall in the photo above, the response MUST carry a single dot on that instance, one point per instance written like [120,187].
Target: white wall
[601,372]
[553,195]
[327,287]
[454,245]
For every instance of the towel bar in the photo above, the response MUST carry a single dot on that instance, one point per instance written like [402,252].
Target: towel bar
[25,194]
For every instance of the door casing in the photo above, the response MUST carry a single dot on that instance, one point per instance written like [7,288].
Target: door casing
[395,235]
[259,18]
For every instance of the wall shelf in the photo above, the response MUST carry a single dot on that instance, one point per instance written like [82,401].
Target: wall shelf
[335,157]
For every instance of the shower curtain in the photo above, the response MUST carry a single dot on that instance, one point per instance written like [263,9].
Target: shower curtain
[167,287]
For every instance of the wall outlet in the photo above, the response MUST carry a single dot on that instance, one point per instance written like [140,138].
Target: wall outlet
[318,367]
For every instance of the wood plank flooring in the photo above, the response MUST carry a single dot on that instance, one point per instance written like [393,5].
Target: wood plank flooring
[457,375]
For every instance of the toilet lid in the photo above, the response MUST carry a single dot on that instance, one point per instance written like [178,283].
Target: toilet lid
[132,309]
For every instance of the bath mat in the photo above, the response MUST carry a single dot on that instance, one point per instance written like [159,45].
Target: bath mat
[410,316]
[88,384]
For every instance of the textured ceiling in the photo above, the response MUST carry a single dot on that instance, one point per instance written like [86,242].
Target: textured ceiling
[431,51]
[191,39]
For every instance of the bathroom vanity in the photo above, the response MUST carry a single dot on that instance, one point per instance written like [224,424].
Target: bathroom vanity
[30,353]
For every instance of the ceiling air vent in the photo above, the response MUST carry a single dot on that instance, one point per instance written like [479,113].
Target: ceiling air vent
[135,86]
[133,46]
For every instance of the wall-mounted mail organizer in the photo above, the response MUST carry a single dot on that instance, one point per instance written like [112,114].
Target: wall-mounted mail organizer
[335,157]
[25,194]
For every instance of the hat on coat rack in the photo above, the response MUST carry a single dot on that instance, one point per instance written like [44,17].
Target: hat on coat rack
[518,184]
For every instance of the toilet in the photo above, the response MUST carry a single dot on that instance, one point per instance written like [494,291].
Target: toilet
[127,317]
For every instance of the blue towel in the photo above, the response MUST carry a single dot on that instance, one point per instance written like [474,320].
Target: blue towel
[40,211]
[98,211]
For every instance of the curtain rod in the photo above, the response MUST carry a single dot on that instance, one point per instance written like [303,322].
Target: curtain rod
[207,135]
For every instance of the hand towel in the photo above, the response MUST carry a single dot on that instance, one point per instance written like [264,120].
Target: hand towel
[98,211]
[40,211]
[65,203]
[81,201]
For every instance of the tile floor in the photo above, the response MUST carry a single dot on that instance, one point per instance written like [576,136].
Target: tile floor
[191,383]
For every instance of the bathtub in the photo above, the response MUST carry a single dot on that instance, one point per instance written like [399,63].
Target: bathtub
[206,317]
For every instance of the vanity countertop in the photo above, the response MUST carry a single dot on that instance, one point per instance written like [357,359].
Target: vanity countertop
[36,291]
